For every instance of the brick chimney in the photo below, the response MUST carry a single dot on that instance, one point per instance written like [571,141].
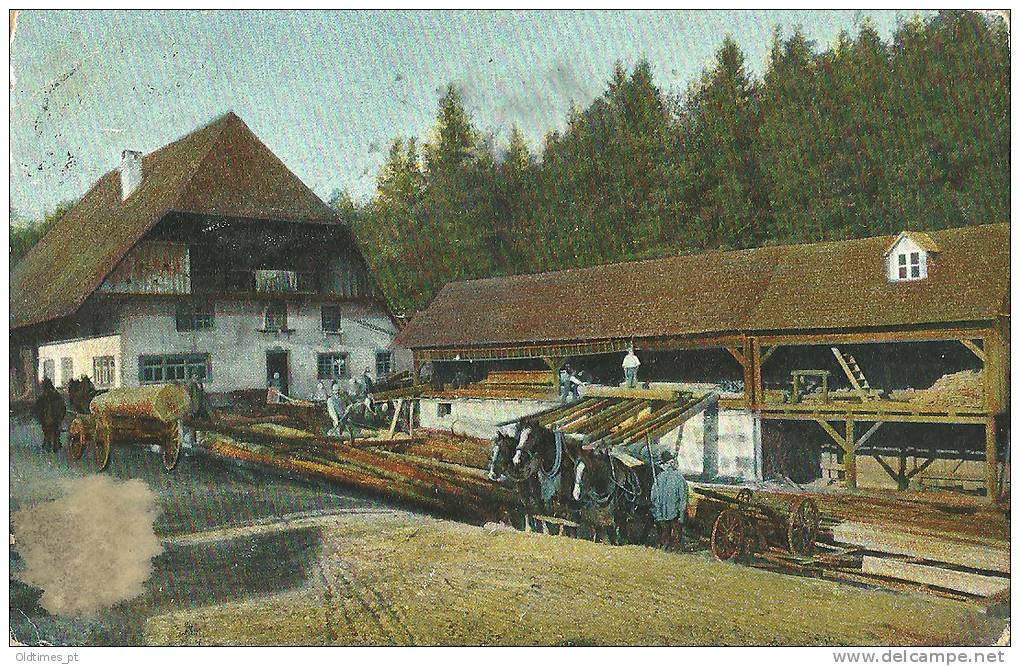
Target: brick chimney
[130,172]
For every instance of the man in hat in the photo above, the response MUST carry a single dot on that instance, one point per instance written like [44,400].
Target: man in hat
[669,502]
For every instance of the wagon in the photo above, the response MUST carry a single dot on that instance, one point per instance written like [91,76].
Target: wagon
[745,526]
[144,415]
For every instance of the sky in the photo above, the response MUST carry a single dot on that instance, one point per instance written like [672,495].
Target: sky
[328,91]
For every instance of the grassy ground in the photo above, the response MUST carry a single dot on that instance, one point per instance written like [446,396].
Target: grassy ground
[409,580]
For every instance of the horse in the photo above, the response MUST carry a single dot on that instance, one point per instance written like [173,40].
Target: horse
[80,393]
[614,498]
[543,455]
[49,411]
[503,470]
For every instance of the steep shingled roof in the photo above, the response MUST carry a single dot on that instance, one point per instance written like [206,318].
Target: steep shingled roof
[836,285]
[220,169]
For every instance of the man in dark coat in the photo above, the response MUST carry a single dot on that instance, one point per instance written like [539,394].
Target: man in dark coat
[49,411]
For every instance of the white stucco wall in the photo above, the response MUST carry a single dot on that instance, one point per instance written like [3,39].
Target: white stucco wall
[476,417]
[81,352]
[739,445]
[238,349]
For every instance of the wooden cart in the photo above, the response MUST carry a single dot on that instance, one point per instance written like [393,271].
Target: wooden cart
[745,527]
[144,415]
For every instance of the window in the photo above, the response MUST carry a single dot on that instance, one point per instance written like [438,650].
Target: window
[66,370]
[276,316]
[383,363]
[173,368]
[103,371]
[331,319]
[444,409]
[332,365]
[194,317]
[911,266]
[50,370]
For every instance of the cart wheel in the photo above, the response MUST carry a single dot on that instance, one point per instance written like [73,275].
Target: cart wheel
[104,440]
[171,449]
[744,499]
[77,436]
[728,534]
[802,526]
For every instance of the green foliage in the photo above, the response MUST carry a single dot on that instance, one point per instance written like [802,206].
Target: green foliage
[863,138]
[26,233]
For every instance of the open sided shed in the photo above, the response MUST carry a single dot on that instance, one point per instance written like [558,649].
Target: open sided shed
[915,302]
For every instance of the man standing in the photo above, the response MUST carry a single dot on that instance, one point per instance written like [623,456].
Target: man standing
[336,411]
[49,411]
[630,366]
[669,502]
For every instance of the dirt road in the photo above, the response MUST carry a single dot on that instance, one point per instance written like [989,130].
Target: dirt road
[399,579]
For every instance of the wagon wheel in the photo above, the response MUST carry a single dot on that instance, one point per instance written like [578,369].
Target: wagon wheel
[729,534]
[744,499]
[802,526]
[103,442]
[77,439]
[171,448]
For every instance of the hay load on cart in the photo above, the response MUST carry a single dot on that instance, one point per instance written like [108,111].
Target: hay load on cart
[137,415]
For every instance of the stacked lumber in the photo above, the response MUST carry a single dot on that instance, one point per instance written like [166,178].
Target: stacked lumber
[444,446]
[506,384]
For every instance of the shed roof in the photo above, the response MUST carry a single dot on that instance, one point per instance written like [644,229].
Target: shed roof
[220,169]
[821,286]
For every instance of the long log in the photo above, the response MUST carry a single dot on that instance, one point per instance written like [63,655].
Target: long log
[163,402]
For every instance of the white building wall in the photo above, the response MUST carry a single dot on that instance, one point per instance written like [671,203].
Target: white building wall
[739,445]
[81,352]
[238,349]
[476,417]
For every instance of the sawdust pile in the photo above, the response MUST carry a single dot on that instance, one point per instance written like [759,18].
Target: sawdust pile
[964,389]
[90,548]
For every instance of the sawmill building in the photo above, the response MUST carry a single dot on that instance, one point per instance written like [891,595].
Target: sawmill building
[882,360]
[206,259]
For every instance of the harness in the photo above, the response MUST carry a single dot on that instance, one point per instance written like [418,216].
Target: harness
[550,481]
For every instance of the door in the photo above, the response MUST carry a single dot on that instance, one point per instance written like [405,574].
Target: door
[276,362]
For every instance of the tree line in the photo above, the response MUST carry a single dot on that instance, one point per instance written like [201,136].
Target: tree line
[863,138]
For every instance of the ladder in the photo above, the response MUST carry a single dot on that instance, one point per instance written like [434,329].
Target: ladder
[854,374]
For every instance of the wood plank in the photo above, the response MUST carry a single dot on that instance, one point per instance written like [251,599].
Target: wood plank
[557,521]
[623,392]
[971,345]
[396,417]
[923,546]
[737,354]
[838,438]
[961,581]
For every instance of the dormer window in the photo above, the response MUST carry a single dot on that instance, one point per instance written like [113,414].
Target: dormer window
[907,256]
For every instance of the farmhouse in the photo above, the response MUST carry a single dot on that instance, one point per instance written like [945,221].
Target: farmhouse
[206,259]
[880,361]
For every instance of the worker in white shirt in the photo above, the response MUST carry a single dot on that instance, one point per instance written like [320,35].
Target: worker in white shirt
[630,366]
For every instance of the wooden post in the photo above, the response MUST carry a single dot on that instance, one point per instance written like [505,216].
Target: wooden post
[755,396]
[991,461]
[710,439]
[850,456]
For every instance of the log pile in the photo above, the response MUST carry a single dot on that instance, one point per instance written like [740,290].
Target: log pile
[433,484]
[958,389]
[161,402]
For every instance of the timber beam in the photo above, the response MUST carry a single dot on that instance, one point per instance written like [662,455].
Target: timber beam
[975,349]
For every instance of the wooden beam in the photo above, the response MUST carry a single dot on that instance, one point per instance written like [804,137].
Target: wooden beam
[971,345]
[555,363]
[640,393]
[850,457]
[896,476]
[866,436]
[839,439]
[991,462]
[920,468]
[765,355]
[739,355]
[961,581]
[979,330]
[396,417]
